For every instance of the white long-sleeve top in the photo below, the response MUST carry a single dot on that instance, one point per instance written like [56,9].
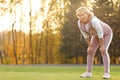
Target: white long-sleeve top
[96,25]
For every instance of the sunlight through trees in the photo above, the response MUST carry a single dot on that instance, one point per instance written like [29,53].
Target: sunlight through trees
[46,32]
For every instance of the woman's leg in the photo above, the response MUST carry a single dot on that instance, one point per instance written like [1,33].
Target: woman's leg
[105,57]
[91,52]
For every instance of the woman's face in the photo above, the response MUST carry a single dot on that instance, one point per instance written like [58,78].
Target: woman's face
[83,16]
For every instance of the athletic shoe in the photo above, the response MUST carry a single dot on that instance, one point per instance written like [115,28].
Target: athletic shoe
[86,75]
[106,76]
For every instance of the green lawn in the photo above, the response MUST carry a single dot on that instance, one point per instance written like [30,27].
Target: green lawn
[53,72]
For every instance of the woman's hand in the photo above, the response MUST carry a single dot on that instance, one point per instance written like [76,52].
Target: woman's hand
[89,49]
[102,49]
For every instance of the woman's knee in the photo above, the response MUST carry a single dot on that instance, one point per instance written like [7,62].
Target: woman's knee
[103,53]
[90,50]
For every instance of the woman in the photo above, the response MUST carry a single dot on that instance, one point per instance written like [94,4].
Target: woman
[96,34]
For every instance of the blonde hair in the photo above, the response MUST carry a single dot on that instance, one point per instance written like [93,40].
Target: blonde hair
[84,9]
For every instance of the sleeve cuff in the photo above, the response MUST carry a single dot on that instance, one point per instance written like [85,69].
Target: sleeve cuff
[100,35]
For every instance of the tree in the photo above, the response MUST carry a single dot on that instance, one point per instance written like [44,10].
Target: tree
[108,11]
[72,46]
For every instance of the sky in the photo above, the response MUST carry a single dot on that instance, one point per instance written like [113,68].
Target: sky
[8,19]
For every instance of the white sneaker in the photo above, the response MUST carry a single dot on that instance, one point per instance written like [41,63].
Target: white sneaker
[106,76]
[86,74]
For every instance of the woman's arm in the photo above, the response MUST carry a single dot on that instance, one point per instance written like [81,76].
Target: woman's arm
[97,26]
[87,41]
[84,34]
[101,41]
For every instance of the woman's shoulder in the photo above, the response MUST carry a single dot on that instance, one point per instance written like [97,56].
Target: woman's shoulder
[94,19]
[79,23]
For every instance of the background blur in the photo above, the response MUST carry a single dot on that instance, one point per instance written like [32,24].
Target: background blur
[46,31]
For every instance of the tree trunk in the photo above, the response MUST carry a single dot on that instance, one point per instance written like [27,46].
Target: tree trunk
[1,57]
[14,47]
[30,35]
[47,43]
[24,50]
[76,59]
[39,46]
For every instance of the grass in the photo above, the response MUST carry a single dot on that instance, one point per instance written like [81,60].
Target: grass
[53,72]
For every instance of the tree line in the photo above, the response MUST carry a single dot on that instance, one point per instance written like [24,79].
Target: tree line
[48,31]
[74,45]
